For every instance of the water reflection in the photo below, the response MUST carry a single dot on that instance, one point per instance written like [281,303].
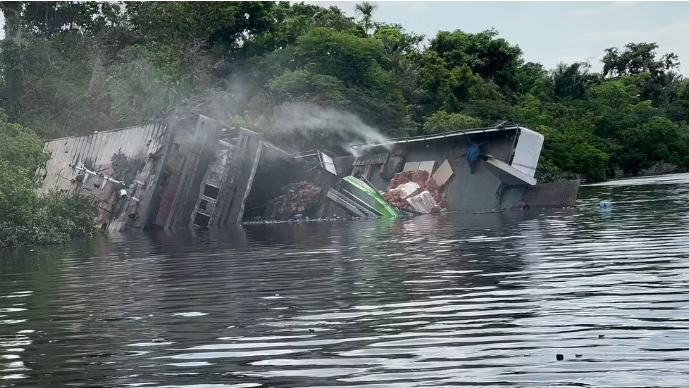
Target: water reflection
[474,300]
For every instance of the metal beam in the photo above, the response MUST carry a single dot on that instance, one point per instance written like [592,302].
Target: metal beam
[508,174]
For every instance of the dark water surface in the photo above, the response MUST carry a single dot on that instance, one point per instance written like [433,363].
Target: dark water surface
[453,300]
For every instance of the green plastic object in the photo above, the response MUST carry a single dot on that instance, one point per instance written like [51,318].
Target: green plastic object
[378,202]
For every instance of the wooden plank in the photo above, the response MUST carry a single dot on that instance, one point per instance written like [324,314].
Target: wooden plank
[427,166]
[383,158]
[411,166]
[367,171]
[443,173]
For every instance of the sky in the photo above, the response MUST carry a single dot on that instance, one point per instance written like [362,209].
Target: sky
[549,32]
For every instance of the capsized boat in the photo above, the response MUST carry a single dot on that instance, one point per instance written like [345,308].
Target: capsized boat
[369,196]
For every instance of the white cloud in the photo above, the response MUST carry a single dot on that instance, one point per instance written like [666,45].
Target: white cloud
[588,11]
[615,6]
[418,7]
[670,37]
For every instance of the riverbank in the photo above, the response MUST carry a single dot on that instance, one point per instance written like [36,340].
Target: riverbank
[655,170]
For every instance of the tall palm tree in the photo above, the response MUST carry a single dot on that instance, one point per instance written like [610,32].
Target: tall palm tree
[365,9]
[12,11]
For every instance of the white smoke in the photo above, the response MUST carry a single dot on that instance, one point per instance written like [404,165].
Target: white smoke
[308,118]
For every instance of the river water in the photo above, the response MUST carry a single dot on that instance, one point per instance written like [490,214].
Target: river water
[450,300]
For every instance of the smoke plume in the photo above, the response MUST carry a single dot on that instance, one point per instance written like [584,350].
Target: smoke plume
[306,118]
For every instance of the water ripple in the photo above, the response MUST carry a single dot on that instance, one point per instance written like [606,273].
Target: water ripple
[453,300]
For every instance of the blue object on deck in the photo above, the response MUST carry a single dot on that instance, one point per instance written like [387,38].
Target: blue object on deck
[473,153]
[605,204]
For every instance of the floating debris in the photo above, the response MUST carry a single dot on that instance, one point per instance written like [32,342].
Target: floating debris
[605,205]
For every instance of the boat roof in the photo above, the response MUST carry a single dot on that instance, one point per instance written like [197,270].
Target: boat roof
[473,131]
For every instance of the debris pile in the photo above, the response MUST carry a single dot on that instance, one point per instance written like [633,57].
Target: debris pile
[296,198]
[398,198]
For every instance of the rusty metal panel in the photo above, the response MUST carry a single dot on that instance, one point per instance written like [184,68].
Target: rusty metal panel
[168,200]
[555,194]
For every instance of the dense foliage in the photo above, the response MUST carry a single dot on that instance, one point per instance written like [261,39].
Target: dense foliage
[75,67]
[25,217]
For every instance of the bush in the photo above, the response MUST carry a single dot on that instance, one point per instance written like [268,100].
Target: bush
[25,217]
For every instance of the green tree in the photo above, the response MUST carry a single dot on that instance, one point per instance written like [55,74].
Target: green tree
[641,59]
[573,152]
[224,24]
[678,109]
[442,121]
[352,59]
[571,81]
[488,56]
[11,56]
[365,10]
[658,140]
[637,58]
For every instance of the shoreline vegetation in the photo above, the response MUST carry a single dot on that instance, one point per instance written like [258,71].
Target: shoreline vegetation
[27,218]
[74,68]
